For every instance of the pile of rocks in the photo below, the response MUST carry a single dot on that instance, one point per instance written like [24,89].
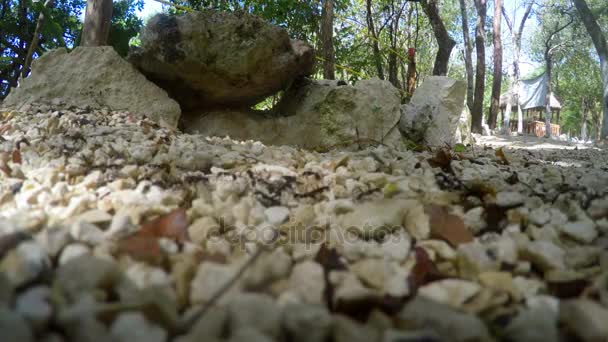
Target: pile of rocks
[213,66]
[116,229]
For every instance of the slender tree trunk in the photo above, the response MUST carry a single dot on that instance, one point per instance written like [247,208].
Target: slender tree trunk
[601,46]
[497,81]
[96,28]
[468,52]
[327,37]
[445,42]
[480,77]
[516,33]
[549,67]
[374,35]
[393,68]
[584,119]
[35,39]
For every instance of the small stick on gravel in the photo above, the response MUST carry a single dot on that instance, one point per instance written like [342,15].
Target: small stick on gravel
[187,324]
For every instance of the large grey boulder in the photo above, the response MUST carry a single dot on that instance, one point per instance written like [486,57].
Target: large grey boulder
[433,116]
[210,59]
[315,114]
[95,77]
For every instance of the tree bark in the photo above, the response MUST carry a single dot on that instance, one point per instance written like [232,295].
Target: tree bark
[549,68]
[96,28]
[584,120]
[468,53]
[601,46]
[497,80]
[35,39]
[445,42]
[327,37]
[480,77]
[516,35]
[372,32]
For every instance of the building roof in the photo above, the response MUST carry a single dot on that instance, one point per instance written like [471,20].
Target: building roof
[532,95]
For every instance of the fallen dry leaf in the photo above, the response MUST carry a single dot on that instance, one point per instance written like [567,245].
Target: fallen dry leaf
[446,226]
[173,226]
[501,155]
[442,159]
[424,271]
[142,248]
[17,156]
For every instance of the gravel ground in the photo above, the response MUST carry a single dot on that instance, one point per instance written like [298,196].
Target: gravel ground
[113,229]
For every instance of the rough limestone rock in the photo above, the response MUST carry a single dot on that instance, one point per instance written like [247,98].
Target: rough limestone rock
[317,114]
[95,77]
[433,115]
[209,59]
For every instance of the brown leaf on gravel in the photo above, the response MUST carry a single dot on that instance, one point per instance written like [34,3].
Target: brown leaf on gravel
[446,226]
[16,156]
[4,157]
[500,153]
[442,159]
[142,248]
[173,225]
[424,271]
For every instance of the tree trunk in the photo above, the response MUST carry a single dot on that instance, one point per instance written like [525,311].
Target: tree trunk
[497,81]
[393,69]
[35,39]
[445,42]
[601,46]
[327,38]
[468,52]
[549,67]
[97,21]
[373,34]
[480,77]
[516,33]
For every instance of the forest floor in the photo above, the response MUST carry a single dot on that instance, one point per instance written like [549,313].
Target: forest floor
[113,229]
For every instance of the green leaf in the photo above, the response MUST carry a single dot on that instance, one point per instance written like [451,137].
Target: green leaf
[459,148]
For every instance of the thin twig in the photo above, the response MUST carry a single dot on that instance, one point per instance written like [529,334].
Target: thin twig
[186,325]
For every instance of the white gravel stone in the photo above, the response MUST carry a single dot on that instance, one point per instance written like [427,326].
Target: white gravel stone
[14,328]
[307,322]
[276,215]
[544,254]
[308,282]
[25,263]
[258,311]
[34,306]
[582,231]
[87,232]
[133,326]
[453,292]
[585,318]
[509,198]
[209,278]
[72,251]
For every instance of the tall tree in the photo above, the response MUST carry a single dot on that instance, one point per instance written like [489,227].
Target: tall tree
[551,46]
[497,80]
[97,22]
[327,38]
[445,42]
[480,77]
[599,41]
[35,39]
[374,39]
[468,54]
[514,88]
